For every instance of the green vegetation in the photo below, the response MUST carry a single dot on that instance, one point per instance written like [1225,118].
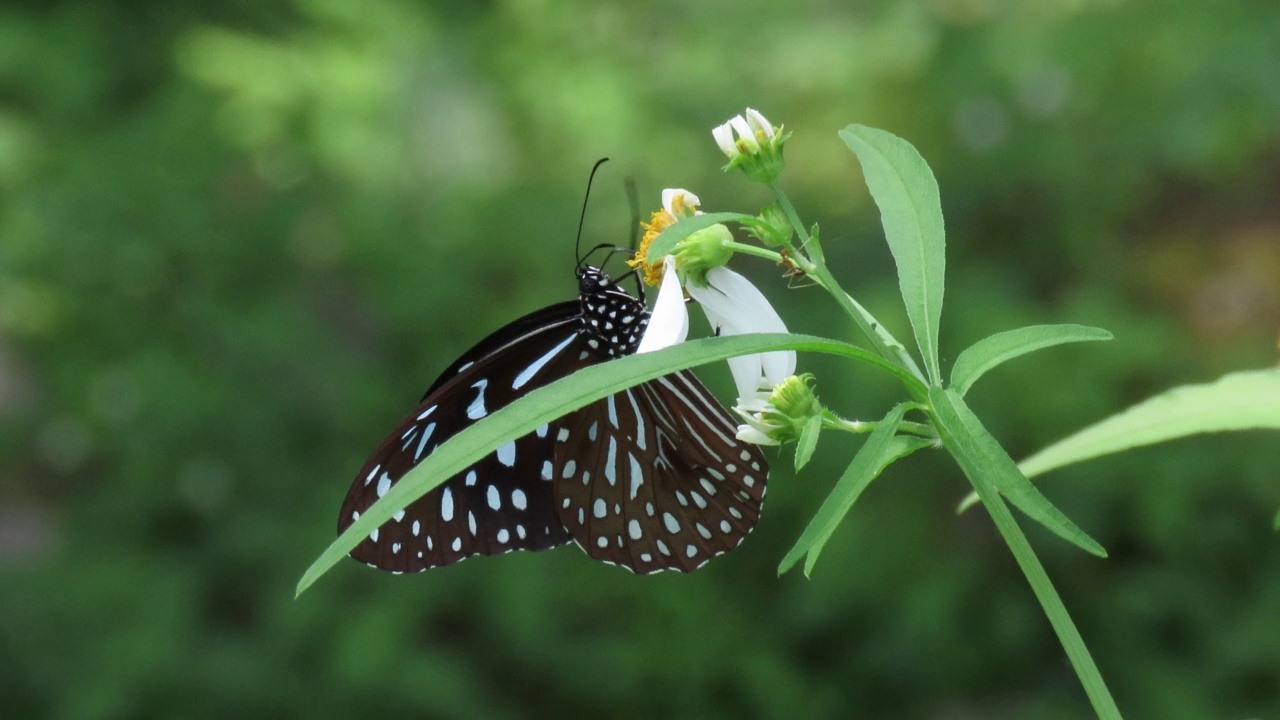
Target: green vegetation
[238,241]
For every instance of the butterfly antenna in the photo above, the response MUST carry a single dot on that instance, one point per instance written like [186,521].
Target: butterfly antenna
[577,244]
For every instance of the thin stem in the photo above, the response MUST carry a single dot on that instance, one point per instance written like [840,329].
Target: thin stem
[859,427]
[1068,635]
[814,265]
[755,250]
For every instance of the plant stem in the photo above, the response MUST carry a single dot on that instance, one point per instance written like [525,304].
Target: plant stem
[1068,635]
[755,250]
[814,265]
[858,427]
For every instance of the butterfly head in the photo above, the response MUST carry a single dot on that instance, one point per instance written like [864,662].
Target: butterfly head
[613,318]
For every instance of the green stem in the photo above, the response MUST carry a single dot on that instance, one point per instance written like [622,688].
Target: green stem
[831,421]
[755,250]
[1103,705]
[814,265]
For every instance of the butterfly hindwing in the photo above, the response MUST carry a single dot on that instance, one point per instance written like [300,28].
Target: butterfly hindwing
[653,478]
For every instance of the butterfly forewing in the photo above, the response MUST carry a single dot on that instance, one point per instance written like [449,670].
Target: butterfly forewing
[503,502]
[653,478]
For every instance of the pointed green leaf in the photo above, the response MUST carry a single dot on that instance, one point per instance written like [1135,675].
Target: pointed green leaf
[1239,401]
[674,233]
[880,450]
[808,441]
[979,455]
[990,352]
[910,210]
[1247,400]
[559,398]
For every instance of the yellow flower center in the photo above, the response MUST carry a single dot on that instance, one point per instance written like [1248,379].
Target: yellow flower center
[658,222]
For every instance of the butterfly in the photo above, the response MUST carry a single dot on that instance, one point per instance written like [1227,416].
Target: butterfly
[651,478]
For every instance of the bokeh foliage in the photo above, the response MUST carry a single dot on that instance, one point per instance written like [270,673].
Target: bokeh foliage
[237,240]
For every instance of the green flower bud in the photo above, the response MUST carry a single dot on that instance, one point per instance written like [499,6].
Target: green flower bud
[705,249]
[772,226]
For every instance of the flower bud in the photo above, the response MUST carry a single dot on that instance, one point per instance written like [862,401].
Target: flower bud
[753,144]
[772,226]
[778,417]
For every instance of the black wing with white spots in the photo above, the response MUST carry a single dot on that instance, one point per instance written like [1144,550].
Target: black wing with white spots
[502,503]
[653,478]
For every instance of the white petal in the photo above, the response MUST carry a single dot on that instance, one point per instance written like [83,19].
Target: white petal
[669,196]
[723,135]
[669,322]
[745,134]
[749,311]
[721,313]
[759,123]
[749,434]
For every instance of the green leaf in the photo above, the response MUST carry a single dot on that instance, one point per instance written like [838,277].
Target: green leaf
[880,450]
[910,210]
[557,399]
[1248,400]
[1239,401]
[1086,669]
[979,455]
[808,441]
[992,351]
[677,231]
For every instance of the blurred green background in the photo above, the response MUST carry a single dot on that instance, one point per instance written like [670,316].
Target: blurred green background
[238,239]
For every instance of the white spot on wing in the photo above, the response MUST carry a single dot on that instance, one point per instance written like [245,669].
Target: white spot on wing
[673,525]
[610,465]
[507,454]
[527,374]
[637,475]
[426,435]
[476,409]
[446,505]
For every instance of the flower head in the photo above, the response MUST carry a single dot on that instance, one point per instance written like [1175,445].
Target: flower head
[732,304]
[778,416]
[676,203]
[753,144]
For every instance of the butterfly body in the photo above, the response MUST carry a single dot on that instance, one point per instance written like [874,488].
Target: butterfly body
[650,478]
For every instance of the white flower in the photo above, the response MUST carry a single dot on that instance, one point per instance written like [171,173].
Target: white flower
[734,307]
